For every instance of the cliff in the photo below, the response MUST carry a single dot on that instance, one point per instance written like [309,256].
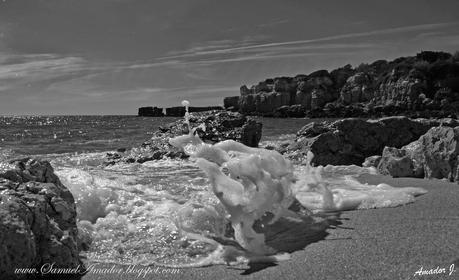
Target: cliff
[423,85]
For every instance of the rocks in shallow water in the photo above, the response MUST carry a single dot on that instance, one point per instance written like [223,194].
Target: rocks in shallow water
[212,127]
[433,155]
[350,141]
[37,220]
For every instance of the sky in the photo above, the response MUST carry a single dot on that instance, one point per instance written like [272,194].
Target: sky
[95,57]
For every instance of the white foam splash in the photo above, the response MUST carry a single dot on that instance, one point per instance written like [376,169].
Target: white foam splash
[252,182]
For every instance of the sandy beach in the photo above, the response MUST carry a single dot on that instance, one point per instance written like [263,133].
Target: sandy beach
[389,243]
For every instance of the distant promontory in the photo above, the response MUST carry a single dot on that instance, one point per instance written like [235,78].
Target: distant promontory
[172,111]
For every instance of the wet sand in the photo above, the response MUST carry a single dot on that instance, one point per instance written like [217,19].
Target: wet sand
[389,243]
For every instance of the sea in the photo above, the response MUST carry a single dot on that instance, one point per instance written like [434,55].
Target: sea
[136,213]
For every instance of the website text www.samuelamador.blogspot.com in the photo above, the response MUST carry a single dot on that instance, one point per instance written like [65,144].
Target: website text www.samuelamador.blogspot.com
[132,270]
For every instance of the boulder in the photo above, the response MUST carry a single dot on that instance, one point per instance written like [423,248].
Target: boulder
[350,141]
[397,163]
[212,127]
[433,155]
[37,221]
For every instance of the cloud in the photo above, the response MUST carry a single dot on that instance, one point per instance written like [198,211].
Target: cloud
[255,47]
[25,70]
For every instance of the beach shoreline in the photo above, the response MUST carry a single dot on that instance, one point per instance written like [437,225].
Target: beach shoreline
[386,243]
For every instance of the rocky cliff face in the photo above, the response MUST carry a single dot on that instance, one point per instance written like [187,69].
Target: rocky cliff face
[37,221]
[426,84]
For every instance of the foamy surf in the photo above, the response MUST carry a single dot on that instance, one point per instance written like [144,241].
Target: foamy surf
[169,213]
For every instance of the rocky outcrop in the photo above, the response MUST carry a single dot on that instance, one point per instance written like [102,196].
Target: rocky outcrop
[420,86]
[150,112]
[37,221]
[180,111]
[350,141]
[212,127]
[433,155]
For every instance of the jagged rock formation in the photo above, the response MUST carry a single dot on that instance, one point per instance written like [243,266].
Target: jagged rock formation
[350,141]
[212,127]
[433,155]
[37,221]
[424,85]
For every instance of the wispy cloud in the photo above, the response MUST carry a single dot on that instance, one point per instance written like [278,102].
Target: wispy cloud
[387,31]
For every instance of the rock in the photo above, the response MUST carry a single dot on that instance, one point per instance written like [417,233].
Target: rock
[397,163]
[219,126]
[350,141]
[433,155]
[372,161]
[37,220]
[251,133]
[150,112]
[231,103]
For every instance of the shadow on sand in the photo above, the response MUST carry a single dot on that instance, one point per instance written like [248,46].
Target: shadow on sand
[288,235]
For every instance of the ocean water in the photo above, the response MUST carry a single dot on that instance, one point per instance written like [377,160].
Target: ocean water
[138,213]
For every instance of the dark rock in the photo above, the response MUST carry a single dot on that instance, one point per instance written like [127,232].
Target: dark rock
[150,112]
[433,155]
[350,141]
[219,126]
[37,221]
[251,133]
